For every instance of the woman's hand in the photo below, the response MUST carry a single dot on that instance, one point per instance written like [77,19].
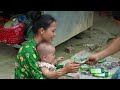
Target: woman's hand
[72,67]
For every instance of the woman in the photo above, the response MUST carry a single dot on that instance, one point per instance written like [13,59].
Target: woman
[26,62]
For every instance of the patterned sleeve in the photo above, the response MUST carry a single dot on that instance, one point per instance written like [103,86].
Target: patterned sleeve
[34,69]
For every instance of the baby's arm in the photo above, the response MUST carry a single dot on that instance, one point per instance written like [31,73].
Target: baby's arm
[59,59]
[52,74]
[55,62]
[49,74]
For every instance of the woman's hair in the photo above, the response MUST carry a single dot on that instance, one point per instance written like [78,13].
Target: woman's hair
[41,21]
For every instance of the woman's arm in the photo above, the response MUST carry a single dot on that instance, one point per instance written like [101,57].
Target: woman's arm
[33,68]
[69,67]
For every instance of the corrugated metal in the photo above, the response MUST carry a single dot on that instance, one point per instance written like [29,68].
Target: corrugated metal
[70,23]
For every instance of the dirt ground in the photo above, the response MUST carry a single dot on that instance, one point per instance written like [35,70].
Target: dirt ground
[102,33]
[94,39]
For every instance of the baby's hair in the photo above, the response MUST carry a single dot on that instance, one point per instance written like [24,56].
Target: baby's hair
[44,48]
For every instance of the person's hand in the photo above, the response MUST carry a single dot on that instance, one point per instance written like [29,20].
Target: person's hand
[72,67]
[92,60]
[59,59]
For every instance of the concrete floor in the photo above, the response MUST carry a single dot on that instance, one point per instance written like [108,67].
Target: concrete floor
[7,58]
[105,24]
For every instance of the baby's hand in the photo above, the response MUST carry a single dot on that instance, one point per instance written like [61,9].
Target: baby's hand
[60,59]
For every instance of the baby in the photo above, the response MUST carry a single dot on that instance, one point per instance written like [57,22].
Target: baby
[48,61]
[47,56]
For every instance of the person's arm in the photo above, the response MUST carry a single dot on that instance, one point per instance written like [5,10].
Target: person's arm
[111,49]
[50,74]
[69,67]
[55,62]
[53,74]
[33,68]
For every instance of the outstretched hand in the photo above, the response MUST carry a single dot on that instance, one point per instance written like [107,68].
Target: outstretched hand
[92,60]
[72,67]
[59,59]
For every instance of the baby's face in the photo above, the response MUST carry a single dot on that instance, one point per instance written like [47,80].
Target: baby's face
[50,57]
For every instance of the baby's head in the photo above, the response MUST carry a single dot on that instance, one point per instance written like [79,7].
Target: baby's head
[46,52]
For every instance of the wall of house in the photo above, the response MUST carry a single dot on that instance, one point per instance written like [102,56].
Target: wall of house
[70,23]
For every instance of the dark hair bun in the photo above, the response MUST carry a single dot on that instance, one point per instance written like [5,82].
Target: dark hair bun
[35,15]
[44,21]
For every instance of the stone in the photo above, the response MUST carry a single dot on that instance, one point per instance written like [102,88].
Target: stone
[69,49]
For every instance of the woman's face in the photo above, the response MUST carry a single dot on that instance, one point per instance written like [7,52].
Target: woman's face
[50,33]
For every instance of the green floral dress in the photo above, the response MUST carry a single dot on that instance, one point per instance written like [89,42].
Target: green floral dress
[26,66]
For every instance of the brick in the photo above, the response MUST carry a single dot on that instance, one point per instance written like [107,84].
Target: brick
[69,49]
